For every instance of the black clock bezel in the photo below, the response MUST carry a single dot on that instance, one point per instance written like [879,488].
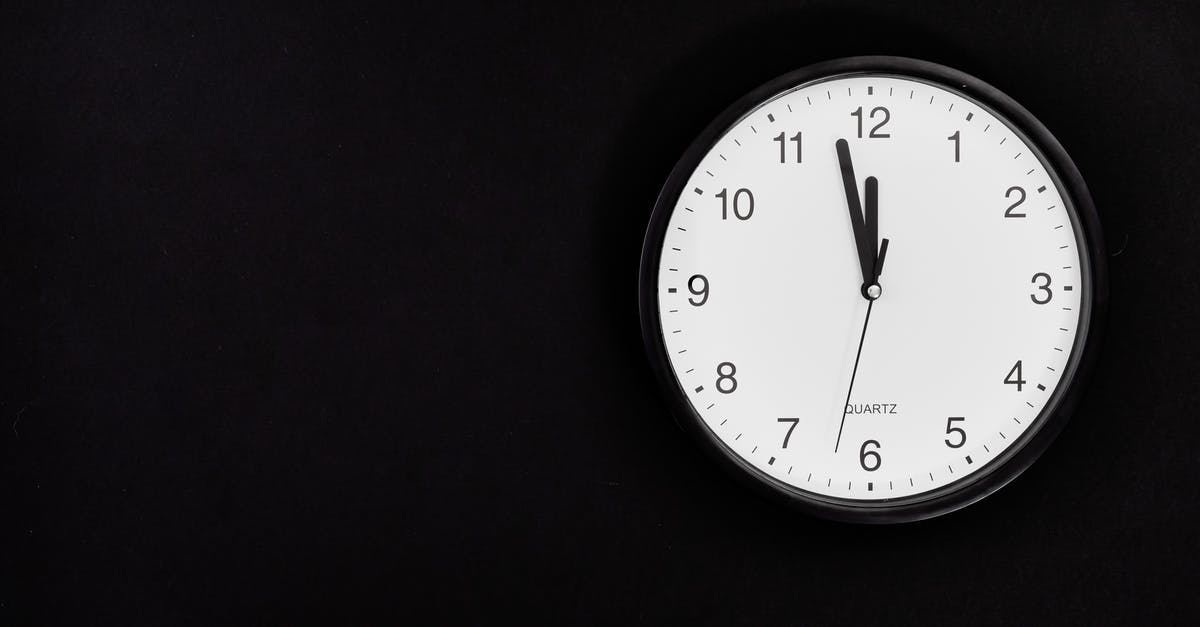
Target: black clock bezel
[1058,410]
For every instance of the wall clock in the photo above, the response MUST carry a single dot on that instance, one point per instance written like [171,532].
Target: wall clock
[873,288]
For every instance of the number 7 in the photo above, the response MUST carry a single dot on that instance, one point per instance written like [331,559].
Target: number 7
[794,421]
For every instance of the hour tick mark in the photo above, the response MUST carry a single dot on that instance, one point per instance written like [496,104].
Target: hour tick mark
[1068,288]
[700,389]
[1042,189]
[870,90]
[771,117]
[1041,387]
[969,460]
[969,116]
[770,461]
[672,290]
[870,486]
[698,191]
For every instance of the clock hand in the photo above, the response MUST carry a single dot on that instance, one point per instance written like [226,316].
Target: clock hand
[872,223]
[871,205]
[871,289]
[854,374]
[866,254]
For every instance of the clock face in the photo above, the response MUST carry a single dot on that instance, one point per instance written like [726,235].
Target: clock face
[868,290]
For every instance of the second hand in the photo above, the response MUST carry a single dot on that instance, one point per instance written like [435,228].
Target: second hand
[853,374]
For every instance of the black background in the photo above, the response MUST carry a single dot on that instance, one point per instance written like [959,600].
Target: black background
[328,314]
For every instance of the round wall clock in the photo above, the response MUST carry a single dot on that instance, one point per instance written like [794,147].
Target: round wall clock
[873,288]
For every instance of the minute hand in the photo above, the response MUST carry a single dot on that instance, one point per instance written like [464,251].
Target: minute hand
[862,241]
[872,201]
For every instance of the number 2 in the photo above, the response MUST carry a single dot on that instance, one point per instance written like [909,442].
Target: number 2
[1008,213]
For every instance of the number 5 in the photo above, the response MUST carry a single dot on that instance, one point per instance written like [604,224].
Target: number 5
[950,429]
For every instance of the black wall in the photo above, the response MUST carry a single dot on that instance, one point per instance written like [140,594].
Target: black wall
[328,314]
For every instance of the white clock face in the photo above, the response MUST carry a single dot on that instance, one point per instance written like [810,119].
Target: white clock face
[979,295]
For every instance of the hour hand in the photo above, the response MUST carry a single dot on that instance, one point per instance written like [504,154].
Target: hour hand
[862,241]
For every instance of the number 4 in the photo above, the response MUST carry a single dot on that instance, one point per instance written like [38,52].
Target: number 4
[1019,382]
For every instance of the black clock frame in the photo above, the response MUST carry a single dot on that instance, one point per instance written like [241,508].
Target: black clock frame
[1053,417]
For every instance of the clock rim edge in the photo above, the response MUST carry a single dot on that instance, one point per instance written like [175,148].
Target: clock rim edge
[1017,458]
